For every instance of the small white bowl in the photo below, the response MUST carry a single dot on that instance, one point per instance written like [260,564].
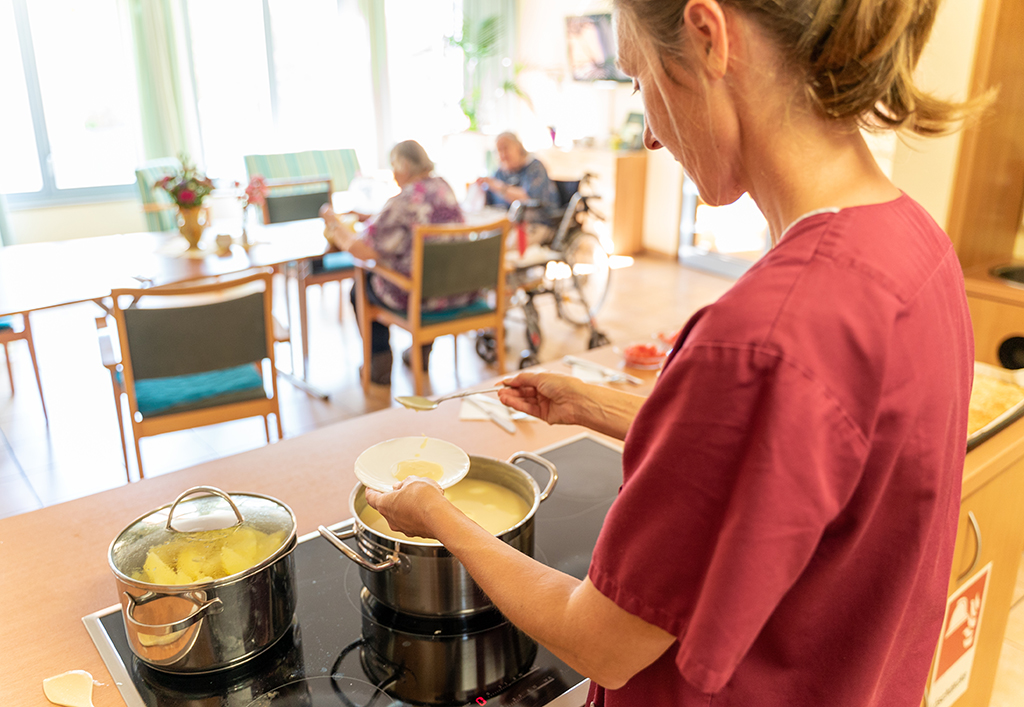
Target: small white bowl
[376,466]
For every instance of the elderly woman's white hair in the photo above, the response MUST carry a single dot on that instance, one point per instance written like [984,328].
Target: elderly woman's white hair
[410,156]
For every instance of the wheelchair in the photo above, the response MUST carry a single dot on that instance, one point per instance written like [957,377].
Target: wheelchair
[572,266]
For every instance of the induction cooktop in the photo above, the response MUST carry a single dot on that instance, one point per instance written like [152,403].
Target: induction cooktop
[317,662]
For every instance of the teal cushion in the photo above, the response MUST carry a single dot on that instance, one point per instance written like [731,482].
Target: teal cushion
[6,323]
[179,393]
[480,306]
[338,261]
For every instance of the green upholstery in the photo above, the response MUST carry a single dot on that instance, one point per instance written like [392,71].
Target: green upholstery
[183,341]
[146,178]
[161,396]
[342,166]
[464,265]
[293,207]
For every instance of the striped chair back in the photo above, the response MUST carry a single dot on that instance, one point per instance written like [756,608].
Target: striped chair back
[342,166]
[156,203]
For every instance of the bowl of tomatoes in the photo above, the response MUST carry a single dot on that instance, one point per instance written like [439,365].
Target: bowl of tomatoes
[645,355]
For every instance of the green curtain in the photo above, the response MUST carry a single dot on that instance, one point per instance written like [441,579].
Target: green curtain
[163,78]
[6,235]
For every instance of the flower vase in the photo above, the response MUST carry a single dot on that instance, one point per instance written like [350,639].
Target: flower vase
[191,224]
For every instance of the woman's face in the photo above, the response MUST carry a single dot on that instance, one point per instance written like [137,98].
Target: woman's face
[684,116]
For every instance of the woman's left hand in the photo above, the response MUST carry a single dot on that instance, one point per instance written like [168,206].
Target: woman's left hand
[411,507]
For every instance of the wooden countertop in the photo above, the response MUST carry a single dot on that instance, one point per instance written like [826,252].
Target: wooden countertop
[53,562]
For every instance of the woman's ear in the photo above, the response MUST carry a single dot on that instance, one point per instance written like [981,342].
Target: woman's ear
[705,24]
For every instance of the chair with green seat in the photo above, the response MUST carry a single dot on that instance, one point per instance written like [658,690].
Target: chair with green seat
[160,210]
[9,334]
[194,355]
[295,181]
[447,260]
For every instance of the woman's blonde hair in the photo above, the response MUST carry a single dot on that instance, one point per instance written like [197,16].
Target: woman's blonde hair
[855,58]
[410,156]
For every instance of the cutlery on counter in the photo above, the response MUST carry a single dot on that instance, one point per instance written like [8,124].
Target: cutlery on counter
[500,420]
[610,374]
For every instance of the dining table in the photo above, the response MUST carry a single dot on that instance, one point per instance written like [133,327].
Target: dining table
[54,561]
[38,276]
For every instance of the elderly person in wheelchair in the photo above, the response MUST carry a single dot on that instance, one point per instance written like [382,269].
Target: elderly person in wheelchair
[424,198]
[523,178]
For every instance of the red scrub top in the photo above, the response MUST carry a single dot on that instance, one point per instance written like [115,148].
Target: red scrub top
[792,485]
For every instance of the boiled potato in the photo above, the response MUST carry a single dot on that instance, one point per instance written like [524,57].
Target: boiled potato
[205,556]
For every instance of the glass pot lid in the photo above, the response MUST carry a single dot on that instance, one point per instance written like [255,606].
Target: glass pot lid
[204,535]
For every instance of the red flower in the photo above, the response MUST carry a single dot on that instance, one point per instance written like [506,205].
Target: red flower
[186,197]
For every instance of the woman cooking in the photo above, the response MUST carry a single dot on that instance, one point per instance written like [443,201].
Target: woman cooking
[784,531]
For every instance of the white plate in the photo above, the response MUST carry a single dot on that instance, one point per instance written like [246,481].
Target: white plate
[376,466]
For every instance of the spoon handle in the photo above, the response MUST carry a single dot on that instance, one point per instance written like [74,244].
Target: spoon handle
[470,392]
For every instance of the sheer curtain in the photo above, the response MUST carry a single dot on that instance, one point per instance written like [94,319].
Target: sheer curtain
[166,105]
[6,235]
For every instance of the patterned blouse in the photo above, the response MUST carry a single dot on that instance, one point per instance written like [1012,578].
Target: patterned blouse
[429,200]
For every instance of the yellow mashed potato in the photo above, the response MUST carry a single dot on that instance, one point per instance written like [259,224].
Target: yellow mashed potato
[493,507]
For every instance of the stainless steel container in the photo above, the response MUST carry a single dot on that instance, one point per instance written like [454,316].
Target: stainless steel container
[212,624]
[423,578]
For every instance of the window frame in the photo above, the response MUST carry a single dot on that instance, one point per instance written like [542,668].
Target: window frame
[49,194]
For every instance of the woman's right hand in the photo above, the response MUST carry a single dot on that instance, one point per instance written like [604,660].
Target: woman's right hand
[552,397]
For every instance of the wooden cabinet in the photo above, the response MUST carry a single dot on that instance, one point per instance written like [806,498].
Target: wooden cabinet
[997,314]
[619,179]
[991,531]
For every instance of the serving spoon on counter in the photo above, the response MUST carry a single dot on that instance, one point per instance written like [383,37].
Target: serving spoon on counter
[421,404]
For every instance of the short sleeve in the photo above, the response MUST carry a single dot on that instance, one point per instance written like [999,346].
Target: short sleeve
[733,469]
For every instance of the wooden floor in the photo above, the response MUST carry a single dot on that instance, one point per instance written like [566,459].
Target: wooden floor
[79,453]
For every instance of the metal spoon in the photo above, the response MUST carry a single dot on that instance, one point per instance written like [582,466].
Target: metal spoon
[421,404]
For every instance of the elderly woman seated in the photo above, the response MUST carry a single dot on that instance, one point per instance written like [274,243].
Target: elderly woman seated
[424,198]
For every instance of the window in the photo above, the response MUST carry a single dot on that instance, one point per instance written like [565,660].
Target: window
[68,67]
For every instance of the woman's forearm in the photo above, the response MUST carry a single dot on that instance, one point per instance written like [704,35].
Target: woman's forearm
[566,615]
[608,411]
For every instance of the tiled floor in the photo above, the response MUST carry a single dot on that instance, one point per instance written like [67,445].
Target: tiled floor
[79,453]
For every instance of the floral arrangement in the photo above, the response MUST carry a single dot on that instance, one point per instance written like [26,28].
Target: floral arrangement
[256,192]
[188,187]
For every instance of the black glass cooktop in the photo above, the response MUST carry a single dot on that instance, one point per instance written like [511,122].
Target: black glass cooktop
[323,659]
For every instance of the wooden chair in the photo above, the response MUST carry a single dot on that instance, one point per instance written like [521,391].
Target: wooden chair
[293,174]
[192,356]
[446,260]
[9,334]
[292,200]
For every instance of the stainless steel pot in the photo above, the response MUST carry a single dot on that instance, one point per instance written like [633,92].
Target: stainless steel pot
[423,578]
[206,625]
[445,660]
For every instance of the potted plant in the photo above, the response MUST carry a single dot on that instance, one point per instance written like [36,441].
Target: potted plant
[188,187]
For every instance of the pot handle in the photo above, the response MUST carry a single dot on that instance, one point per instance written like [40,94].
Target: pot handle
[536,459]
[212,491]
[335,538]
[214,606]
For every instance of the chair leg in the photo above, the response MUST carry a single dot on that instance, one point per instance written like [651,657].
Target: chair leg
[280,430]
[10,373]
[35,365]
[416,359]
[341,300]
[266,427]
[363,317]
[499,348]
[120,422]
[303,319]
[138,453]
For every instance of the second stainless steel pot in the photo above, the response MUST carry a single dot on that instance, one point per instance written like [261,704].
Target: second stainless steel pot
[423,578]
